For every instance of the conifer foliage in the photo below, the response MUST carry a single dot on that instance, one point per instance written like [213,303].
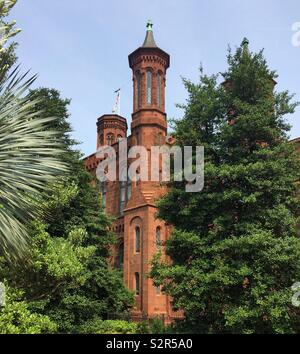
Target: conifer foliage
[235,248]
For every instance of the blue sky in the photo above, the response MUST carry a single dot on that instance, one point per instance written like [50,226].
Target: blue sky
[81,47]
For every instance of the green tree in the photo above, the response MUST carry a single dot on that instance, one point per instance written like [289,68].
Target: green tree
[65,280]
[52,104]
[235,249]
[15,318]
[69,279]
[109,327]
[29,148]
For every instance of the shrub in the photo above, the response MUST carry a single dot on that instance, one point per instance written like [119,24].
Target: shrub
[98,326]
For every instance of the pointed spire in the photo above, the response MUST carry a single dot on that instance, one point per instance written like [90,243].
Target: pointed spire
[149,46]
[149,41]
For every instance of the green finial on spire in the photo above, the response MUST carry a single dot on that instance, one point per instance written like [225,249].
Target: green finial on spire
[245,45]
[149,41]
[149,25]
[245,42]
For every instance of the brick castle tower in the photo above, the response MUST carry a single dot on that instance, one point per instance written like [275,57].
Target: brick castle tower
[140,234]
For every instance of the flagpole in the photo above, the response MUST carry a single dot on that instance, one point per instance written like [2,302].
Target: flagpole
[117,107]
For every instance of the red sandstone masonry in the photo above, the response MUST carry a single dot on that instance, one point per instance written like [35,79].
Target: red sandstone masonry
[148,128]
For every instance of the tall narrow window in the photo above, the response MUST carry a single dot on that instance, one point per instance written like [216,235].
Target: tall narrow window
[129,189]
[158,89]
[138,89]
[120,257]
[122,196]
[110,139]
[103,189]
[137,239]
[137,284]
[149,87]
[158,237]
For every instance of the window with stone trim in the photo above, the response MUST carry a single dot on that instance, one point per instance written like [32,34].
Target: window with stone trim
[158,89]
[129,189]
[137,284]
[137,239]
[138,89]
[149,87]
[122,196]
[103,190]
[120,257]
[110,138]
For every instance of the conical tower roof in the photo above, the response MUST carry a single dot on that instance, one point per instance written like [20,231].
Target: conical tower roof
[149,46]
[149,41]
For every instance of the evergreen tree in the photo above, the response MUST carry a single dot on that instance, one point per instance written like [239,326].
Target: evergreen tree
[235,248]
[68,278]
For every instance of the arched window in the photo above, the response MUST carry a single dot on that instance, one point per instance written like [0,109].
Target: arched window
[149,87]
[137,239]
[129,189]
[103,190]
[120,137]
[158,290]
[158,89]
[158,237]
[138,89]
[120,257]
[122,196]
[137,283]
[110,139]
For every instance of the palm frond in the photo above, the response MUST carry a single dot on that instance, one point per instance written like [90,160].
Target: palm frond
[29,159]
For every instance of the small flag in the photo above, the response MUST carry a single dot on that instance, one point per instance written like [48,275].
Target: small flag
[117,107]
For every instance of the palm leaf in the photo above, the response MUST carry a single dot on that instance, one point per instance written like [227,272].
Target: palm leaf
[30,158]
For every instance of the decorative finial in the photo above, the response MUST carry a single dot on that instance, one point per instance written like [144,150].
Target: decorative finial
[245,42]
[149,25]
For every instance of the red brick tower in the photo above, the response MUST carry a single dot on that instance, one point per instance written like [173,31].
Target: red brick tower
[149,65]
[133,204]
[110,129]
[143,233]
